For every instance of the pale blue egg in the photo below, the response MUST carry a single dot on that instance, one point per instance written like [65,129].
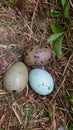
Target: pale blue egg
[41,81]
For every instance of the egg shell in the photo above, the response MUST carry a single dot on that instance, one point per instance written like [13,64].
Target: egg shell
[41,81]
[36,55]
[16,78]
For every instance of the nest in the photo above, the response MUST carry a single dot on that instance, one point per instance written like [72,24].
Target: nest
[20,27]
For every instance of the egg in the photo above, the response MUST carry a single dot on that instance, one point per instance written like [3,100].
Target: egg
[41,81]
[16,78]
[37,55]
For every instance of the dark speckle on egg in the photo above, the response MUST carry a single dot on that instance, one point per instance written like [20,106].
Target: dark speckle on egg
[26,53]
[14,91]
[31,49]
[35,56]
[42,84]
[41,62]
[48,88]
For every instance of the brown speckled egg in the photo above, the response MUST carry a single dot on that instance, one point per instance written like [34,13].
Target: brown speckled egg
[37,55]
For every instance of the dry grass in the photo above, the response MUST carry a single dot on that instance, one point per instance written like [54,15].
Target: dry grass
[26,24]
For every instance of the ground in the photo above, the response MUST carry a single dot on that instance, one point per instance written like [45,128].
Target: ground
[21,24]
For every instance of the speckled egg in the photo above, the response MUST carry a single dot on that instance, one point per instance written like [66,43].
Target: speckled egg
[41,81]
[36,55]
[16,78]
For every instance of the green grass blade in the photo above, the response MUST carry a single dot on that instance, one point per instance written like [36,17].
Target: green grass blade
[56,14]
[56,28]
[58,47]
[71,101]
[54,37]
[66,10]
[63,2]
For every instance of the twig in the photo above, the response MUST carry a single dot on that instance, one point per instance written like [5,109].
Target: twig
[9,123]
[27,34]
[4,46]
[71,3]
[33,18]
[67,65]
[15,112]
[25,123]
[57,90]
[2,119]
[53,120]
[7,46]
[2,55]
[27,91]
[2,92]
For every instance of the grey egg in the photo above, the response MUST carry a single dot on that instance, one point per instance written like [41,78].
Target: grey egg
[16,78]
